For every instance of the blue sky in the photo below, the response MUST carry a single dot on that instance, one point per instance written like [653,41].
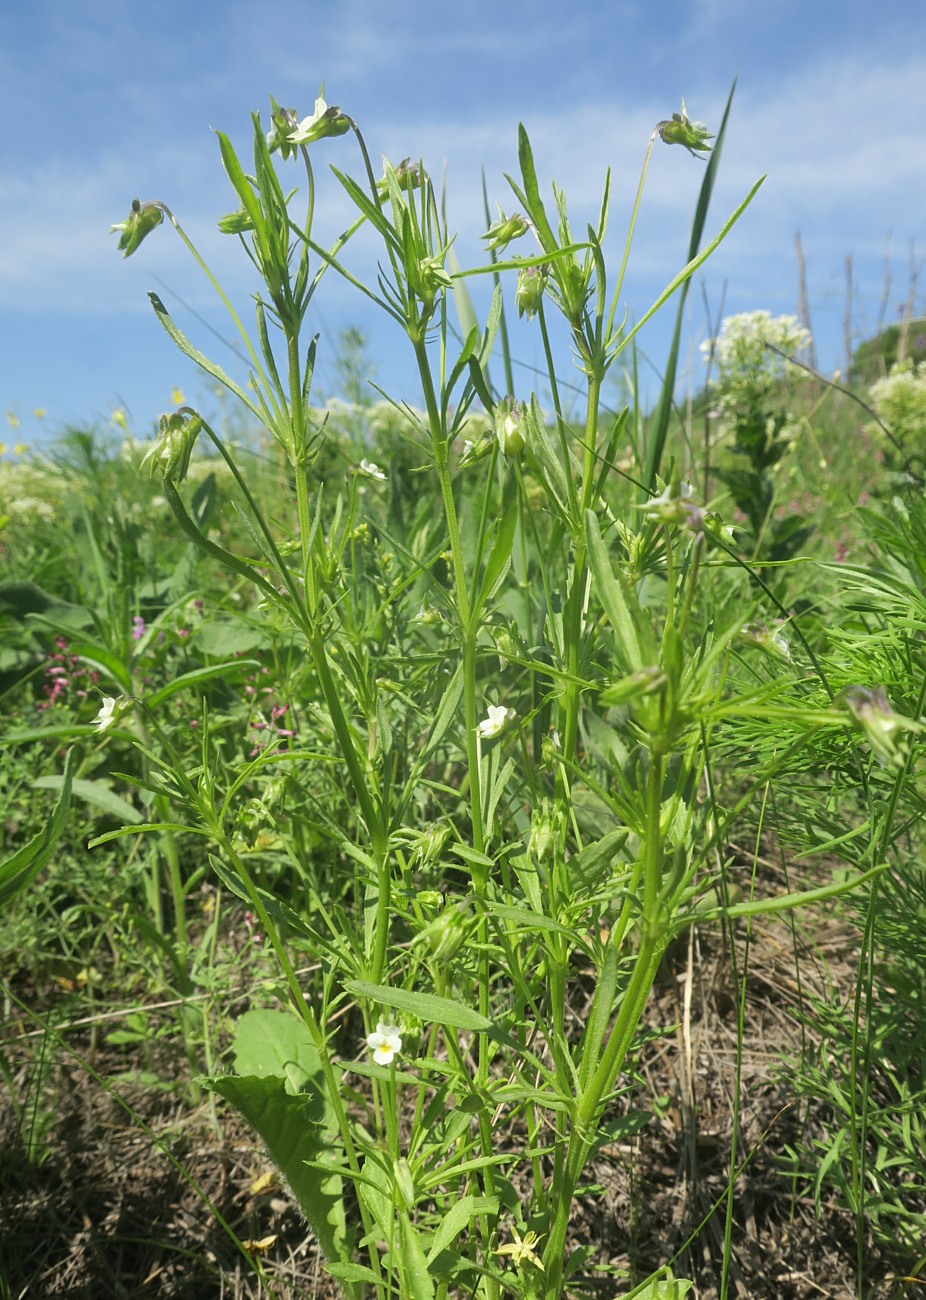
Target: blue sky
[103,103]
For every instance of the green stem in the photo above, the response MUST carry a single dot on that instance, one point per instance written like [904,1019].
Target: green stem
[468,616]
[302,1007]
[598,1086]
[575,601]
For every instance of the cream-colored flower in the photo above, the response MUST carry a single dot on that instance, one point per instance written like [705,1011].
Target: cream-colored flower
[385,1043]
[107,715]
[494,723]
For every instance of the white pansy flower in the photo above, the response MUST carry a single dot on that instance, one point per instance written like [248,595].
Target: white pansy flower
[385,1043]
[106,717]
[371,469]
[494,723]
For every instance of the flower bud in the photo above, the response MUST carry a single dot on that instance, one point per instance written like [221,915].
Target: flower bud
[502,232]
[432,841]
[140,222]
[444,936]
[169,457]
[532,281]
[509,644]
[551,748]
[508,429]
[882,726]
[236,223]
[428,616]
[548,824]
[693,136]
[771,640]
[408,174]
[475,449]
[433,277]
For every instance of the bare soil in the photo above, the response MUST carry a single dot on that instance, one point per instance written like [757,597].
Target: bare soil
[126,1198]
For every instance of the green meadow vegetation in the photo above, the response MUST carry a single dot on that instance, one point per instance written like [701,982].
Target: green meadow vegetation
[469,849]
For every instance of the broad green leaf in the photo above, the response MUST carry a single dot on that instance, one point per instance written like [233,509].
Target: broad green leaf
[230,637]
[460,1214]
[500,555]
[96,793]
[631,630]
[292,1137]
[413,1264]
[20,870]
[22,598]
[426,1006]
[280,1090]
[198,675]
[663,1288]
[375,1190]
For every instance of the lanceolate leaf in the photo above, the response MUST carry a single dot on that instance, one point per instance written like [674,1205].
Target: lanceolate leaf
[440,1011]
[280,1091]
[19,871]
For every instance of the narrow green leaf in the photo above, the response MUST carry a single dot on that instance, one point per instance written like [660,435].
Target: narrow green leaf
[619,601]
[426,1006]
[93,792]
[532,191]
[91,652]
[413,1264]
[526,917]
[196,676]
[352,1273]
[500,555]
[689,269]
[143,828]
[784,902]
[660,426]
[20,870]
[458,1217]
[243,188]
[211,368]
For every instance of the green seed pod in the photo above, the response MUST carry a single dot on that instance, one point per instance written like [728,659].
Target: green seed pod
[169,457]
[142,219]
[532,280]
[693,136]
[508,429]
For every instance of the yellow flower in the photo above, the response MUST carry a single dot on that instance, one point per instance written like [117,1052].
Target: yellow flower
[176,396]
[522,1248]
